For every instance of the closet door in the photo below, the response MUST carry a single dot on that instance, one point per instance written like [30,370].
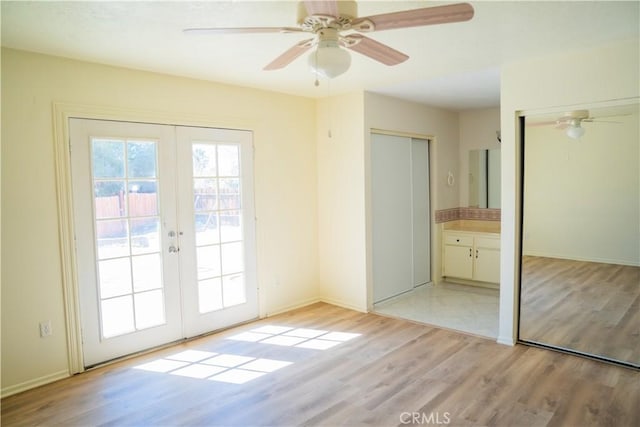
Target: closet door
[392,216]
[420,210]
[400,214]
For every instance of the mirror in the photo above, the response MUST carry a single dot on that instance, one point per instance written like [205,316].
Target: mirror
[484,178]
[580,266]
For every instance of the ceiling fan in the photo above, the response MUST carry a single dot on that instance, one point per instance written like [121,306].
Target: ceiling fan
[571,122]
[335,25]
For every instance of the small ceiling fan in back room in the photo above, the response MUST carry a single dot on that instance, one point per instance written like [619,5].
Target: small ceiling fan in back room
[335,26]
[571,122]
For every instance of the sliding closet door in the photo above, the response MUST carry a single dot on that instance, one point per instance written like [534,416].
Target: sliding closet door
[420,210]
[400,214]
[392,216]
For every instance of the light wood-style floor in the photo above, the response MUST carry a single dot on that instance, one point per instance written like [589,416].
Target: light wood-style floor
[393,372]
[584,306]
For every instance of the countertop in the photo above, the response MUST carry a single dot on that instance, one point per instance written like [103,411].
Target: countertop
[477,226]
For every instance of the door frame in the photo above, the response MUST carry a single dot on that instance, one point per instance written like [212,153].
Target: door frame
[62,112]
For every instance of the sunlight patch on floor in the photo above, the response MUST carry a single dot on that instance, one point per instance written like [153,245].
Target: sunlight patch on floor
[238,369]
[315,339]
[229,368]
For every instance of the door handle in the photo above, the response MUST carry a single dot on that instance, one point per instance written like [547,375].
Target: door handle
[173,249]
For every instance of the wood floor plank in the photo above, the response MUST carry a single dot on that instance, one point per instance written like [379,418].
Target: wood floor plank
[391,371]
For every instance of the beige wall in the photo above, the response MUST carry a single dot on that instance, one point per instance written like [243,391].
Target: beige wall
[32,289]
[477,132]
[341,228]
[578,78]
[582,196]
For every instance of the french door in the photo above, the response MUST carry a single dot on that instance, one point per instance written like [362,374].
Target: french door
[165,233]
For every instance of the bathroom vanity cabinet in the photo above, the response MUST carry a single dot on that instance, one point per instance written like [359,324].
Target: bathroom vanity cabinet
[471,255]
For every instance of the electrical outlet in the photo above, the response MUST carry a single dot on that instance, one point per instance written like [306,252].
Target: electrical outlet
[45,329]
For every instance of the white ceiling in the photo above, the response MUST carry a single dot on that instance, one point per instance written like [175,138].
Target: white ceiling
[454,66]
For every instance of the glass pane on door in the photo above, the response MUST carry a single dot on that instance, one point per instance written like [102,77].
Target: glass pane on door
[127,235]
[217,195]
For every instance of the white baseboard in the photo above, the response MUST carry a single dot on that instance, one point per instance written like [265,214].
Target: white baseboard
[343,304]
[581,258]
[310,301]
[295,306]
[36,382]
[506,341]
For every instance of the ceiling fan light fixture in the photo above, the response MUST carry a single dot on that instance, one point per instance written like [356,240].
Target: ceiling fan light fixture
[329,59]
[575,131]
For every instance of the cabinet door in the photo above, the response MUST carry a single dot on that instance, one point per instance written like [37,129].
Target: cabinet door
[458,261]
[487,265]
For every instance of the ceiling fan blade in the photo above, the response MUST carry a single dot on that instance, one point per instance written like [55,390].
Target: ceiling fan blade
[415,18]
[322,7]
[247,30]
[290,55]
[600,121]
[529,123]
[373,49]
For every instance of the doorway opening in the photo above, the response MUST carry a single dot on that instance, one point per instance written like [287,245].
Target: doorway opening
[402,246]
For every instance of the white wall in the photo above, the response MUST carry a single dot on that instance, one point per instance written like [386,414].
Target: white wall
[569,79]
[582,197]
[477,132]
[341,227]
[32,289]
